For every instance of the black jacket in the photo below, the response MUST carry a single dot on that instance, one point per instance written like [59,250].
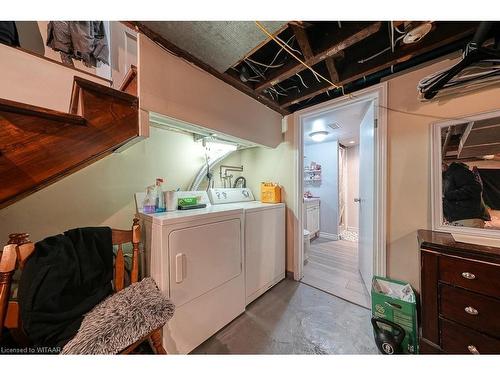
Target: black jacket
[67,276]
[461,194]
[8,33]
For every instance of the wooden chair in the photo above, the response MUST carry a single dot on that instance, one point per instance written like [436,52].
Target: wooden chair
[17,252]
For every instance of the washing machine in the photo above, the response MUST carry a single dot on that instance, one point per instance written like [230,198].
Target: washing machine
[264,234]
[197,259]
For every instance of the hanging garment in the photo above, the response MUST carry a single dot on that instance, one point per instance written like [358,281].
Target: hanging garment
[491,183]
[8,33]
[67,275]
[80,40]
[461,194]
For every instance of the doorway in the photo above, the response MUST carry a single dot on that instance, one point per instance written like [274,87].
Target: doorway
[341,195]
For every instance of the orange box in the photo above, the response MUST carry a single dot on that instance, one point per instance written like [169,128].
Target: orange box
[270,192]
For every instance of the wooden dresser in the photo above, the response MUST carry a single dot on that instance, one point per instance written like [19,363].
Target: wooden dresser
[459,296]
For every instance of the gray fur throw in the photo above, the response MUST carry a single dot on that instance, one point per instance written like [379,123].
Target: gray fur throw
[121,320]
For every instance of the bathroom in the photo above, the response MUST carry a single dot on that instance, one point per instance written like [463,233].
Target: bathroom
[331,202]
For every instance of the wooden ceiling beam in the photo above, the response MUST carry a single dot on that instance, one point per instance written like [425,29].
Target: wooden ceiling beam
[231,80]
[303,41]
[294,67]
[332,69]
[446,34]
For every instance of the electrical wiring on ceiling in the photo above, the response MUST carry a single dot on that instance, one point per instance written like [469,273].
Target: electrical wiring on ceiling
[391,35]
[301,80]
[255,69]
[280,50]
[265,65]
[260,73]
[397,29]
[391,47]
[271,64]
[277,92]
[341,87]
[290,52]
[289,46]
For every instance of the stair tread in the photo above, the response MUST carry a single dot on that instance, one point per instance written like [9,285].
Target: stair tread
[90,85]
[28,109]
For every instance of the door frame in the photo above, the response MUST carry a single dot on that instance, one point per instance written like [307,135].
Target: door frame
[377,93]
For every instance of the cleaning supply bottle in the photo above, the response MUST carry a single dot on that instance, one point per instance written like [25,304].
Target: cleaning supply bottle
[160,197]
[148,206]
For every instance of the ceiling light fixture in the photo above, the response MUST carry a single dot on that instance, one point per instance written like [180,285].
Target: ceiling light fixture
[489,157]
[318,136]
[351,142]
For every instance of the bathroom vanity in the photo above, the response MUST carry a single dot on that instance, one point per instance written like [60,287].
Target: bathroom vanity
[460,295]
[311,215]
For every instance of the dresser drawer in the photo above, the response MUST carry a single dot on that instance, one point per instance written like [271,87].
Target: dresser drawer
[477,276]
[470,309]
[456,339]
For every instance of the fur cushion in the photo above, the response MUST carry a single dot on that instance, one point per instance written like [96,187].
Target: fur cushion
[121,320]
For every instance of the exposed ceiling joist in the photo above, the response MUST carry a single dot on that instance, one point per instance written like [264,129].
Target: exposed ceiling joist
[303,41]
[231,80]
[332,69]
[355,54]
[339,44]
[447,34]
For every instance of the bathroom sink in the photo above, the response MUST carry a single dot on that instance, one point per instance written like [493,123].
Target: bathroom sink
[314,199]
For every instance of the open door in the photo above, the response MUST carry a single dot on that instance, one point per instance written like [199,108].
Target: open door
[367,195]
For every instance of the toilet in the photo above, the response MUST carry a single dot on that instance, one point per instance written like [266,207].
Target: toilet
[307,244]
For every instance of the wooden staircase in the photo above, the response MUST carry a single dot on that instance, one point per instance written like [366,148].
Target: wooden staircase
[38,146]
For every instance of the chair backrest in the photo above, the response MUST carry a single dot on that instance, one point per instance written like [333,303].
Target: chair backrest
[19,249]
[121,237]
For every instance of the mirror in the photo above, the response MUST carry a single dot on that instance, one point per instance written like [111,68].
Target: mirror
[466,174]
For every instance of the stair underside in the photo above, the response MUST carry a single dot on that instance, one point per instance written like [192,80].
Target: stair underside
[39,146]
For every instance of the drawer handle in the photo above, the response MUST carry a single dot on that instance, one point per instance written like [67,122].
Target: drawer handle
[471,310]
[468,275]
[472,349]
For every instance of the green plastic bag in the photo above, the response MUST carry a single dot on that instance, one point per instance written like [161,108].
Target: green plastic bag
[395,301]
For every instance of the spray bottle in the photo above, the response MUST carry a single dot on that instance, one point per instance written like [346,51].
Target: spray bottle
[159,197]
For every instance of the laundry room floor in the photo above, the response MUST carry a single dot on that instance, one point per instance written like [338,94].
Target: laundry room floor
[294,318]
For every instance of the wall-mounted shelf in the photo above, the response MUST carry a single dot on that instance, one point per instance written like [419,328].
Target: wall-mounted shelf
[312,173]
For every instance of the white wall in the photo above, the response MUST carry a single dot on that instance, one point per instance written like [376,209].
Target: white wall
[409,177]
[102,193]
[173,87]
[352,187]
[326,154]
[123,51]
[37,81]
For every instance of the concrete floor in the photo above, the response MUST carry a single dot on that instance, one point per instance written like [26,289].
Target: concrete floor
[294,318]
